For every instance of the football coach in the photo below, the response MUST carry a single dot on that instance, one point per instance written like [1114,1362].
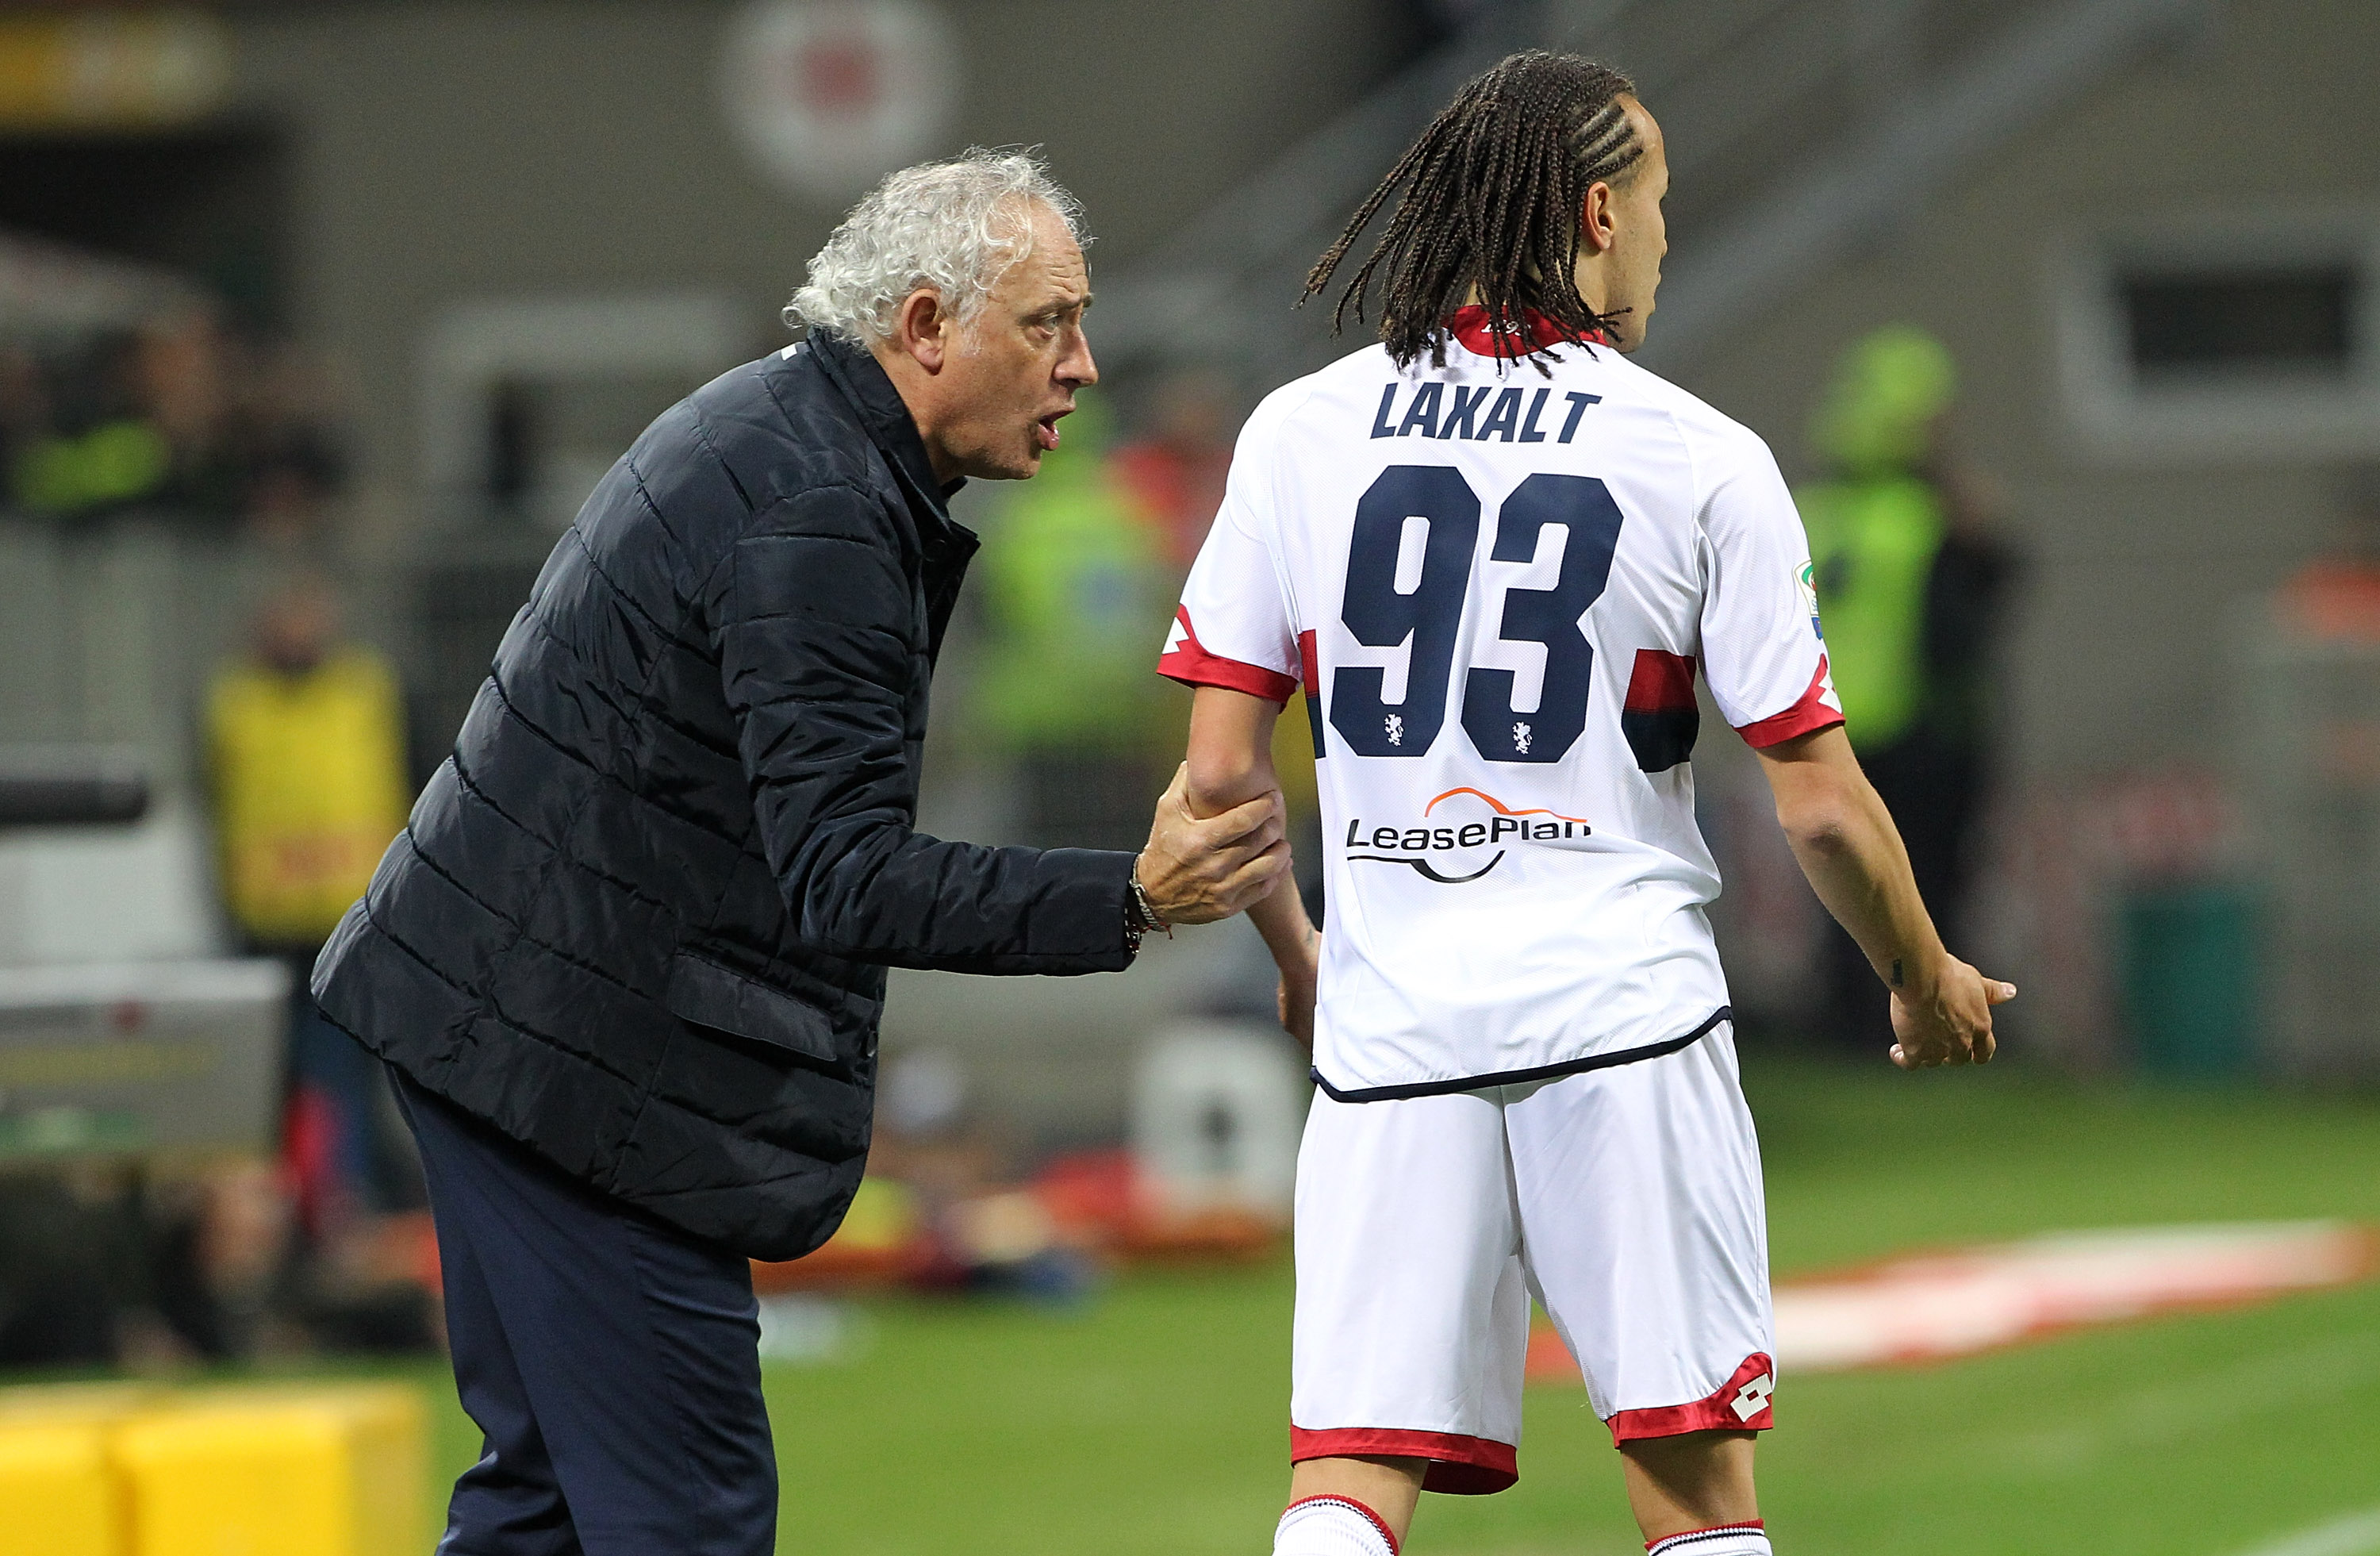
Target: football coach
[626,962]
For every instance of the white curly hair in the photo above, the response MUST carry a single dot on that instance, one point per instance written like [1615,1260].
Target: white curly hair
[954,227]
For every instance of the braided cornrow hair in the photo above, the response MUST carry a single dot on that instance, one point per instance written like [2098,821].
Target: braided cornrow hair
[1494,190]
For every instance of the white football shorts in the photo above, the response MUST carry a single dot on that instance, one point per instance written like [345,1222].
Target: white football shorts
[1626,1200]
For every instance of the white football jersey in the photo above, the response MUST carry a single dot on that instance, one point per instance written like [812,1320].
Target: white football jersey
[1494,586]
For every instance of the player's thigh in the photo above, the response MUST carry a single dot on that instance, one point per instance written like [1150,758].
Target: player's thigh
[1642,1224]
[1406,1239]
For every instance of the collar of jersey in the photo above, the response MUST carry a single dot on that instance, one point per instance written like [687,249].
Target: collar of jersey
[1469,325]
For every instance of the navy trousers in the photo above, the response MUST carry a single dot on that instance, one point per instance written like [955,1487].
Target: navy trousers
[610,1360]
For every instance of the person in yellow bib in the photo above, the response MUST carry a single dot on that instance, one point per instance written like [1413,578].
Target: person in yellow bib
[304,741]
[1072,565]
[1911,588]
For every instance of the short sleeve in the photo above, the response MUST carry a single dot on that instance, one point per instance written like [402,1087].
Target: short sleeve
[1233,628]
[1762,653]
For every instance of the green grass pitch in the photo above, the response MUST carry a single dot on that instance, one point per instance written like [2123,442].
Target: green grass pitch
[1152,1421]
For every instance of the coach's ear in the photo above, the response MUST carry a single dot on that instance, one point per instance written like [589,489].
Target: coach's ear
[922,328]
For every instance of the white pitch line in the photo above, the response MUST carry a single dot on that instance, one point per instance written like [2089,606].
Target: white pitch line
[2355,1535]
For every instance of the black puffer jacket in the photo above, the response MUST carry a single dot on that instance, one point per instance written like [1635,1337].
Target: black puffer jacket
[640,918]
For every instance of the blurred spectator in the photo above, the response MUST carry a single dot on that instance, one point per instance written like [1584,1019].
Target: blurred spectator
[95,450]
[1177,471]
[306,749]
[291,462]
[1914,587]
[1074,578]
[61,1268]
[183,416]
[2338,594]
[25,417]
[184,369]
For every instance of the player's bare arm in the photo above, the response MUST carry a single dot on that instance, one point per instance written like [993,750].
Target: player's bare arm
[1852,855]
[1230,764]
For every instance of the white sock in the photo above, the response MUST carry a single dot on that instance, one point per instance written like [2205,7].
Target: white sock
[1331,1526]
[1747,1539]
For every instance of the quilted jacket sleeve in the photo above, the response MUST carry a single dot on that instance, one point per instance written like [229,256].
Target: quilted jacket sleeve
[815,663]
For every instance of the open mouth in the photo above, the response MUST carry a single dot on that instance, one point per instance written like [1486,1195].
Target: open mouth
[1046,429]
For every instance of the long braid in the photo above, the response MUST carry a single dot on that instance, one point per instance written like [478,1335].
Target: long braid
[1420,164]
[1492,194]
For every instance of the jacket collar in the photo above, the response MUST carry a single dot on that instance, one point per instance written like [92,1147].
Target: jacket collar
[946,546]
[863,381]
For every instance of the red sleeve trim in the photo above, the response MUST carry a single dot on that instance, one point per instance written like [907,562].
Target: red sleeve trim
[1186,660]
[1463,1466]
[1350,1504]
[1807,716]
[1740,1404]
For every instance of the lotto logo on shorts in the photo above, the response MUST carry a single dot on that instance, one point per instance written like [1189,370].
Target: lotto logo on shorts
[1752,1398]
[1457,846]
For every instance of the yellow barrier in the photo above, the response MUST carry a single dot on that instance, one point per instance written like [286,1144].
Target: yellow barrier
[55,1483]
[58,1485]
[324,1470]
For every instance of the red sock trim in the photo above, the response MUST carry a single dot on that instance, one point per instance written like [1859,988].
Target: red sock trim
[1714,1530]
[1346,1502]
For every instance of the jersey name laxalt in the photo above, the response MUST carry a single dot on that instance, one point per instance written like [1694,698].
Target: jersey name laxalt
[1444,411]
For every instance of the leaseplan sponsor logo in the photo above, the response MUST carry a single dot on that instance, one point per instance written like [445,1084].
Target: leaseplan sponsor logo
[1454,846]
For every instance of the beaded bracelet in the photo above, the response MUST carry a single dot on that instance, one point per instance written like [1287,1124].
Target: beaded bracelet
[1141,917]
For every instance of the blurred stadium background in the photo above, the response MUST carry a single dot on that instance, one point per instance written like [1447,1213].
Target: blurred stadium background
[317,319]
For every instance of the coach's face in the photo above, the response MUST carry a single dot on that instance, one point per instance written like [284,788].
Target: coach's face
[986,394]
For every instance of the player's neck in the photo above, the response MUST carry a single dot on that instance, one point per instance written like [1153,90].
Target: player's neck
[1594,287]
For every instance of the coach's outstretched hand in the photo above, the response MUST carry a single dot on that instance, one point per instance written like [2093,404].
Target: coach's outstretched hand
[1949,1023]
[1195,871]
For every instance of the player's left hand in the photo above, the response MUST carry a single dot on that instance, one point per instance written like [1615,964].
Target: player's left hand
[1948,1018]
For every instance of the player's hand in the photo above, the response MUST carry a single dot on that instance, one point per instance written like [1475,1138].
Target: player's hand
[1294,998]
[1949,1023]
[1195,871]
